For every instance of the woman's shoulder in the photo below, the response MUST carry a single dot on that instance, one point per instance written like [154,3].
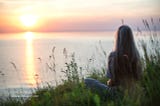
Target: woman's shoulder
[112,54]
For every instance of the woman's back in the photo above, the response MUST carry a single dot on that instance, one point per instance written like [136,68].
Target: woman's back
[124,67]
[125,63]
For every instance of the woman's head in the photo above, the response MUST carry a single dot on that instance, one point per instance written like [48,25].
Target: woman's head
[126,61]
[124,41]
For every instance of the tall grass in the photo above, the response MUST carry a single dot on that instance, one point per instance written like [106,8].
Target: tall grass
[151,65]
[151,75]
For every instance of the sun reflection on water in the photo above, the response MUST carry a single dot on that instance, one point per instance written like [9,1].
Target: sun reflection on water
[30,68]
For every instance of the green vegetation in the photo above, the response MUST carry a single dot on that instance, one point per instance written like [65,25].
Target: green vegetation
[72,92]
[151,79]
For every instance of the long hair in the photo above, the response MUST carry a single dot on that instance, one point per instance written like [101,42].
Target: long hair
[127,60]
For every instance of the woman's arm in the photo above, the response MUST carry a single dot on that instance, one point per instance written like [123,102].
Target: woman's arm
[110,67]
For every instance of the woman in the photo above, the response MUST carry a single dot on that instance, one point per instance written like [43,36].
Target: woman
[124,67]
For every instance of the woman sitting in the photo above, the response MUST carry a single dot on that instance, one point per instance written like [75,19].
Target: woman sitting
[124,67]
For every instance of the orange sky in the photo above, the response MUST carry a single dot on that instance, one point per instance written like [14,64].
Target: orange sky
[75,15]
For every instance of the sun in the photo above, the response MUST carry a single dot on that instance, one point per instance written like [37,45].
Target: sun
[28,20]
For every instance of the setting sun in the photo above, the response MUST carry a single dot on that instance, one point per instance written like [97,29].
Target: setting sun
[28,20]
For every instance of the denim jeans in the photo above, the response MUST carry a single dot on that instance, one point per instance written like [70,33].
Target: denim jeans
[98,87]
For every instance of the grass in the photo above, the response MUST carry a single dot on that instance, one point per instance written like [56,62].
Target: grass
[72,92]
[151,79]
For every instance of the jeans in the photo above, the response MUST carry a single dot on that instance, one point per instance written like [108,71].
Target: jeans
[98,87]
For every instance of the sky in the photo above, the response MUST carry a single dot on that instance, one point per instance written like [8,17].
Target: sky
[76,15]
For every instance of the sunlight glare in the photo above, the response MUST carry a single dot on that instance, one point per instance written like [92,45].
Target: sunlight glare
[29,36]
[30,68]
[28,20]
